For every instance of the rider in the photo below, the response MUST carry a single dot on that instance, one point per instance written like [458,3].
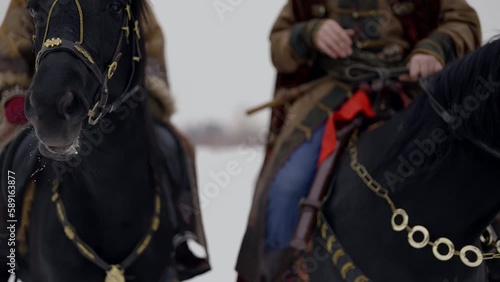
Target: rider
[309,39]
[16,70]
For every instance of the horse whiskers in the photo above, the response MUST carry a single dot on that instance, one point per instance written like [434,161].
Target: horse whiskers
[60,153]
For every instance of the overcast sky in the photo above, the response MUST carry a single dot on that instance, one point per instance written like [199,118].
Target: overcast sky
[220,65]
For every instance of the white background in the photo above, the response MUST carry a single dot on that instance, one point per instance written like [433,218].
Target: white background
[218,67]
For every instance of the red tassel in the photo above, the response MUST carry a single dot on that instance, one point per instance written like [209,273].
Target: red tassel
[358,104]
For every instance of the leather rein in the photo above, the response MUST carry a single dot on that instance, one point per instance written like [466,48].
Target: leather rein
[371,73]
[100,108]
[449,119]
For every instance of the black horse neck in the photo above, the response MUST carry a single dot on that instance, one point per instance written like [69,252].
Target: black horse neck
[445,184]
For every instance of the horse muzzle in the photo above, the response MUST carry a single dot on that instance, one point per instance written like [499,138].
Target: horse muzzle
[59,153]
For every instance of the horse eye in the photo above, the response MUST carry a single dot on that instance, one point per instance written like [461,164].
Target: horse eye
[116,7]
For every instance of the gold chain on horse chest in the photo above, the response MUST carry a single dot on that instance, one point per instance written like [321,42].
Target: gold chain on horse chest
[114,273]
[402,216]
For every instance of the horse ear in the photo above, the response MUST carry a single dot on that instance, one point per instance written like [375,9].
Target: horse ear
[494,38]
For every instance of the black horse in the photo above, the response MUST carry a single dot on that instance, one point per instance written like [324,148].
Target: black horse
[100,209]
[439,162]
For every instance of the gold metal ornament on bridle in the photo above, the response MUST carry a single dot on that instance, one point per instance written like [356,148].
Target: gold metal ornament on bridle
[51,10]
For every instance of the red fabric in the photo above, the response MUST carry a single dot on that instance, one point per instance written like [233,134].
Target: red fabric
[14,111]
[359,103]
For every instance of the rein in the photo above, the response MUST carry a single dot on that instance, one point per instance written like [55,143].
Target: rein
[449,118]
[100,108]
[400,220]
[362,72]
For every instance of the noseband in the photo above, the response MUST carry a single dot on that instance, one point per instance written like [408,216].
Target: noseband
[449,119]
[100,108]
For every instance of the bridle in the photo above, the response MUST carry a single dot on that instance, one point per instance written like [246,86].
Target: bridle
[100,108]
[449,119]
[114,273]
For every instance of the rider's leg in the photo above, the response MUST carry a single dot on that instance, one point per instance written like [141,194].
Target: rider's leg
[290,185]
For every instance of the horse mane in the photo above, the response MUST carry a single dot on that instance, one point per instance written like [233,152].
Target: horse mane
[143,13]
[478,73]
[142,8]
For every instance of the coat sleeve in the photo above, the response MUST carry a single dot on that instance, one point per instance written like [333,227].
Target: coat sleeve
[458,33]
[156,70]
[16,47]
[155,47]
[16,63]
[283,55]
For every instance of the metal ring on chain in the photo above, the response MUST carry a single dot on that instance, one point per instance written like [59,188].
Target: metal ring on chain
[487,237]
[425,233]
[447,243]
[399,213]
[471,249]
[373,185]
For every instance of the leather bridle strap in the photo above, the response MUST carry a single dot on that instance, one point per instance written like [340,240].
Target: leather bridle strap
[100,108]
[58,45]
[449,119]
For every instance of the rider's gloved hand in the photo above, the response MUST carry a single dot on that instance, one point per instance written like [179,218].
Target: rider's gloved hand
[12,115]
[13,103]
[14,111]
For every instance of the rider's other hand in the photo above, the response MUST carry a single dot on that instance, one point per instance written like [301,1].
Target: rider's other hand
[421,65]
[333,40]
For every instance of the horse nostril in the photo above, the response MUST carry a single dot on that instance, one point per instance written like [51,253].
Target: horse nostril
[68,105]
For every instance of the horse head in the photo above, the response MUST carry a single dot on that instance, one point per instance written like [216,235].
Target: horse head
[80,47]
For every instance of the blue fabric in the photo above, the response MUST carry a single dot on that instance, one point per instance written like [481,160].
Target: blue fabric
[291,184]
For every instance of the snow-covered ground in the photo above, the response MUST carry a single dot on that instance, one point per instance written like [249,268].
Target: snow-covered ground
[226,181]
